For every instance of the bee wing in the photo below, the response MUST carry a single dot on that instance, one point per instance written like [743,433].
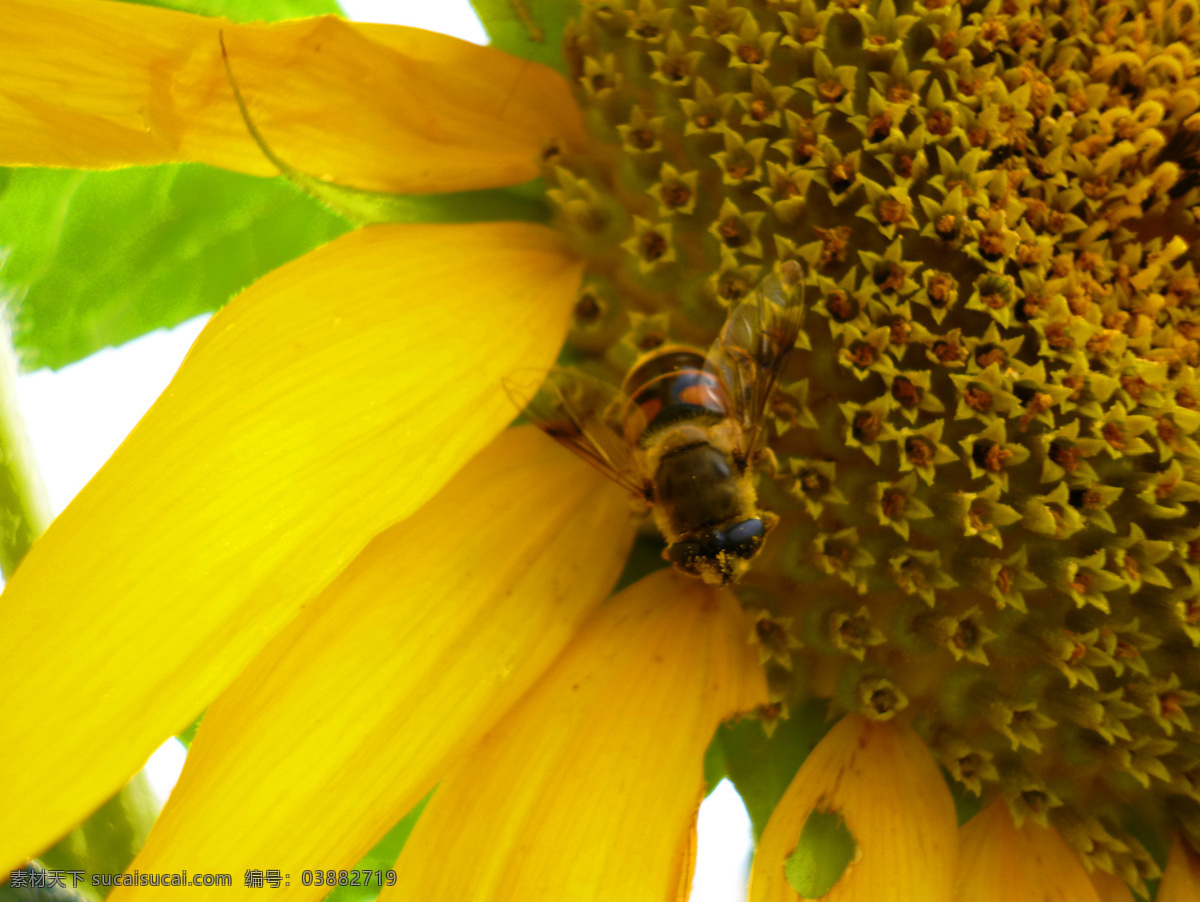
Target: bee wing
[754,347]
[583,414]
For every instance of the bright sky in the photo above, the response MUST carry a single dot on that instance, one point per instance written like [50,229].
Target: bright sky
[77,417]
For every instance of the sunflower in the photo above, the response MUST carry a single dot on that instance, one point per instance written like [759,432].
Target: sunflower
[979,601]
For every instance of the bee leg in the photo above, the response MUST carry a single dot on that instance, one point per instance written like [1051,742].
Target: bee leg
[769,462]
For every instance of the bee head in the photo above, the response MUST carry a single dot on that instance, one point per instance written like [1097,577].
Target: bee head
[719,556]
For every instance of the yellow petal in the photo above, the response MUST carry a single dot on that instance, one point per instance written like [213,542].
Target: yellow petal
[999,863]
[1181,879]
[1110,887]
[882,780]
[352,714]
[328,401]
[588,788]
[96,85]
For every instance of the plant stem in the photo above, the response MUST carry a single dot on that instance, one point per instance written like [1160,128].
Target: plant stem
[24,506]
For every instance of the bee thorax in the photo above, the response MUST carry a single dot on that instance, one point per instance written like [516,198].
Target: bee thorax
[696,486]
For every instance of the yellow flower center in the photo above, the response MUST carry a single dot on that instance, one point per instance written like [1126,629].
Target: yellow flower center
[989,476]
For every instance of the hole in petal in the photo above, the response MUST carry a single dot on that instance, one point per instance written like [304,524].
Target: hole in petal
[825,850]
[723,848]
[164,767]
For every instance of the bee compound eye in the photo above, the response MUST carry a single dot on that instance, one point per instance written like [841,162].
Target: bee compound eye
[746,538]
[713,542]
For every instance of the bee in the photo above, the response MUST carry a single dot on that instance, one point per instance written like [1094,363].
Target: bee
[686,430]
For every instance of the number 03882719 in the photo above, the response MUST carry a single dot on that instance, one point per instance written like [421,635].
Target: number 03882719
[348,878]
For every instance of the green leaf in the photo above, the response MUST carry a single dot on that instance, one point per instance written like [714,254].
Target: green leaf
[714,766]
[530,29]
[258,11]
[188,733]
[825,850]
[761,767]
[89,260]
[381,858]
[93,259]
[96,258]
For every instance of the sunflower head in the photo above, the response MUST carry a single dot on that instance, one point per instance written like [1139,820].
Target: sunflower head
[988,472]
